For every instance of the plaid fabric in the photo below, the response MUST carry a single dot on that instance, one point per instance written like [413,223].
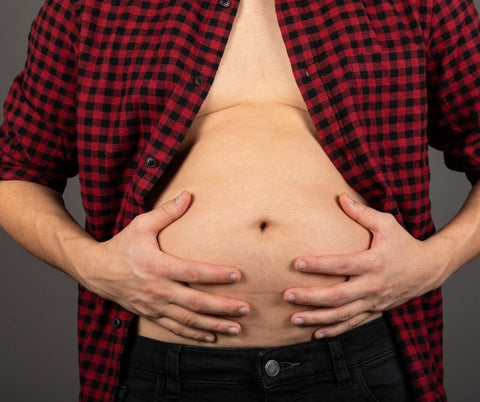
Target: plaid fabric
[109,89]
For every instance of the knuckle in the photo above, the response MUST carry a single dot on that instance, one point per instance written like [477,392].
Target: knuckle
[342,267]
[192,275]
[380,289]
[165,268]
[217,327]
[375,305]
[146,310]
[154,293]
[363,209]
[167,209]
[150,292]
[349,325]
[176,329]
[379,304]
[343,315]
[146,269]
[155,315]
[376,262]
[383,304]
[338,298]
[195,335]
[188,319]
[197,304]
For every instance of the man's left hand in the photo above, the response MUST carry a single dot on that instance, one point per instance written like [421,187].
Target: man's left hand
[396,268]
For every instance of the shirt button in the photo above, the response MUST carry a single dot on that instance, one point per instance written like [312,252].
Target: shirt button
[116,323]
[272,368]
[225,3]
[151,162]
[198,80]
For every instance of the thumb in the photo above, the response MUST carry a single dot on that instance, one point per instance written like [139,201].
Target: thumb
[369,218]
[160,217]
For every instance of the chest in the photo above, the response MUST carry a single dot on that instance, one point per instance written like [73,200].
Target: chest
[255,66]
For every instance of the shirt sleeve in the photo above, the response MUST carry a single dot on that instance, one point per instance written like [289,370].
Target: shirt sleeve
[453,82]
[38,134]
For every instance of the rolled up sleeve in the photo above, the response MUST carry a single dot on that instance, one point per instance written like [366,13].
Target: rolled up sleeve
[38,134]
[453,80]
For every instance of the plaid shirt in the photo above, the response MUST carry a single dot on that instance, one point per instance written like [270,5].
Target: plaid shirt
[110,88]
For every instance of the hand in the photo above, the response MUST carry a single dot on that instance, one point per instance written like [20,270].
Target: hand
[395,269]
[131,270]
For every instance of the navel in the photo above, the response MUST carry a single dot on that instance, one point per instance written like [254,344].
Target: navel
[263,226]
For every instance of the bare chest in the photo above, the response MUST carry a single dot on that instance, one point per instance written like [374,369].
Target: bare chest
[255,66]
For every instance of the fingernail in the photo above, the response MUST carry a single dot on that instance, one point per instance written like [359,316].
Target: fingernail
[243,310]
[319,335]
[233,331]
[301,265]
[178,200]
[291,297]
[298,321]
[234,277]
[209,338]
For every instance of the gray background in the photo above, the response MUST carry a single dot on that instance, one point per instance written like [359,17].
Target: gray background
[38,304]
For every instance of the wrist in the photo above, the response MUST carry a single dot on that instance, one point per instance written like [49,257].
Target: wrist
[80,254]
[441,251]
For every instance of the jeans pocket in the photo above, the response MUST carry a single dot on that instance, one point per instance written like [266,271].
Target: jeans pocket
[384,379]
[140,386]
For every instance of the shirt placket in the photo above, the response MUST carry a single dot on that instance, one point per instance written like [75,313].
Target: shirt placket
[318,53]
[189,93]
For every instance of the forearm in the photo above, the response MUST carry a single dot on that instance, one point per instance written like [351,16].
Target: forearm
[458,241]
[35,217]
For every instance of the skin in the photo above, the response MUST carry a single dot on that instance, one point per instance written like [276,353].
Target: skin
[141,278]
[395,269]
[131,270]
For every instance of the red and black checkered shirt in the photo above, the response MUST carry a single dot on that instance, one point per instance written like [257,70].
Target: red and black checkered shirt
[111,86]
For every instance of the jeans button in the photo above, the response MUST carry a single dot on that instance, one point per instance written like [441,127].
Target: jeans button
[272,368]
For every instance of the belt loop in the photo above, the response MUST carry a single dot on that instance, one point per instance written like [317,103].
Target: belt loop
[172,386]
[339,365]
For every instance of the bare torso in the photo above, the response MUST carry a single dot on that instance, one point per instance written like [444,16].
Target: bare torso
[264,190]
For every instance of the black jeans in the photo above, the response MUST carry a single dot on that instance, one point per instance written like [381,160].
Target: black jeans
[360,365]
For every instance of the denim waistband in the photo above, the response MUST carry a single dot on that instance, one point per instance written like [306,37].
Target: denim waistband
[272,364]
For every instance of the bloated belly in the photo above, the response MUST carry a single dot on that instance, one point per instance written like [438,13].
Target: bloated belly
[264,193]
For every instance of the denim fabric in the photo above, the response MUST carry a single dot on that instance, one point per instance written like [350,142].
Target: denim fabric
[360,365]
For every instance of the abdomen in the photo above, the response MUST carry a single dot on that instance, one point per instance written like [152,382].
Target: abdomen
[264,193]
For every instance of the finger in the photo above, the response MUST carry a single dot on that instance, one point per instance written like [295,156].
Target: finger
[184,331]
[201,321]
[328,296]
[341,264]
[362,214]
[337,329]
[157,219]
[330,316]
[187,271]
[205,303]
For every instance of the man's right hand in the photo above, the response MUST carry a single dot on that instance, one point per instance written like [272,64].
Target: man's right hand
[131,270]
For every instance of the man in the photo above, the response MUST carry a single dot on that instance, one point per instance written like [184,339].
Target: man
[272,137]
